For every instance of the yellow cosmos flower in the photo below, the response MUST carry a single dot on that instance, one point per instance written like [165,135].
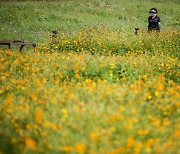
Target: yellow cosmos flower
[79,148]
[47,124]
[38,115]
[30,143]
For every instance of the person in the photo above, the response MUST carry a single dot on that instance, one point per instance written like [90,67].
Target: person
[154,21]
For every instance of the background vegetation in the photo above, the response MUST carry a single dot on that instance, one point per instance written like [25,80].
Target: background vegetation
[34,20]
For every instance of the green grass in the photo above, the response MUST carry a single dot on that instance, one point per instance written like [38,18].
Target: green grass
[33,21]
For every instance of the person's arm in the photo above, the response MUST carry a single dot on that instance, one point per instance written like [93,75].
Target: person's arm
[159,24]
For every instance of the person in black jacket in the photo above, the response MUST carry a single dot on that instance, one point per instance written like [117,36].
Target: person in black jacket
[153,21]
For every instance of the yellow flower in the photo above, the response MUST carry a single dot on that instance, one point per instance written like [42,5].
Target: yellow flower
[38,83]
[111,73]
[111,65]
[65,114]
[178,133]
[148,95]
[53,100]
[47,124]
[177,104]
[79,147]
[149,143]
[8,100]
[68,58]
[29,126]
[56,127]
[117,150]
[66,148]
[115,118]
[165,121]
[138,148]
[144,77]
[34,97]
[38,115]
[122,108]
[130,142]
[64,111]
[133,111]
[9,110]
[143,132]
[94,136]
[77,75]
[30,143]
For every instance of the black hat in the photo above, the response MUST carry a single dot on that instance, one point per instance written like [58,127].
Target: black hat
[153,10]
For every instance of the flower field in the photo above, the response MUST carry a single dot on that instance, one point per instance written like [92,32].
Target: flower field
[95,87]
[83,95]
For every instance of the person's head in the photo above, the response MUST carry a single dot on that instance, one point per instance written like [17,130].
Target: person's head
[153,12]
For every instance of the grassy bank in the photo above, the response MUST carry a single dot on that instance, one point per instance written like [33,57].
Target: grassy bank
[33,20]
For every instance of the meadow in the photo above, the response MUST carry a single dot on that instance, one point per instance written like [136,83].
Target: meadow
[94,88]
